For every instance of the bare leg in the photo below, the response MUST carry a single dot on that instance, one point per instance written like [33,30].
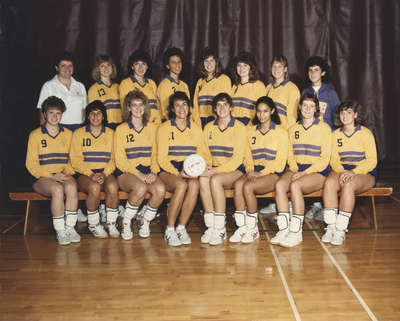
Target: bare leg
[261,185]
[331,189]
[220,182]
[190,200]
[205,194]
[111,188]
[134,186]
[281,192]
[357,184]
[239,198]
[92,189]
[53,189]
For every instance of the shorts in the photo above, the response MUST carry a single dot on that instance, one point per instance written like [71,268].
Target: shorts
[142,169]
[100,170]
[242,169]
[325,172]
[259,168]
[178,165]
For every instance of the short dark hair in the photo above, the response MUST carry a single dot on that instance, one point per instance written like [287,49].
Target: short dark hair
[270,103]
[282,60]
[350,104]
[221,97]
[309,96]
[172,51]
[177,95]
[138,55]
[97,104]
[246,58]
[53,102]
[66,55]
[208,52]
[320,62]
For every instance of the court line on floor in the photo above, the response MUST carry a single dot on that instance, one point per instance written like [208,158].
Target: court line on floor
[338,267]
[282,275]
[12,226]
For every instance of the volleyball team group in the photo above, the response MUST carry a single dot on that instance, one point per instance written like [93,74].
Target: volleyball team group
[254,139]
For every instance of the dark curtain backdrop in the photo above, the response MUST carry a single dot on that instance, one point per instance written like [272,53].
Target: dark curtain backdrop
[360,39]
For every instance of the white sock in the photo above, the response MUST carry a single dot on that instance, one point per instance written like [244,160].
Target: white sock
[71,218]
[93,217]
[58,223]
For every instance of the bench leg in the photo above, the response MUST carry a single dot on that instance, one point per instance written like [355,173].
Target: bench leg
[32,213]
[374,212]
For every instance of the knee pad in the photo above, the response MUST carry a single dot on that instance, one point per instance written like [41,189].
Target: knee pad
[283,221]
[342,221]
[330,215]
[208,219]
[219,221]
[240,218]
[296,224]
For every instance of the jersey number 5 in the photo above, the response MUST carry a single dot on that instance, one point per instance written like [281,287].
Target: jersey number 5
[339,142]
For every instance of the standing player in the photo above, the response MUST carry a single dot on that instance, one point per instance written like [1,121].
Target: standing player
[139,63]
[317,75]
[178,138]
[212,82]
[92,157]
[105,90]
[47,160]
[309,155]
[172,60]
[136,161]
[247,87]
[269,144]
[226,139]
[353,164]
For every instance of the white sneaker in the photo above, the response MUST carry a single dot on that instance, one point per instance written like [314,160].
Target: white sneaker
[126,233]
[279,237]
[238,234]
[172,238]
[292,239]
[338,237]
[63,237]
[81,217]
[206,237]
[270,209]
[144,230]
[112,230]
[183,235]
[329,231]
[74,237]
[251,235]
[98,231]
[315,211]
[217,236]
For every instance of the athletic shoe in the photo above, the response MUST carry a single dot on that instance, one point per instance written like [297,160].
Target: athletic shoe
[63,237]
[126,233]
[98,231]
[140,214]
[121,211]
[112,230]
[329,232]
[314,211]
[279,237]
[251,235]
[183,235]
[292,239]
[144,230]
[172,238]
[74,237]
[206,237]
[270,209]
[238,234]
[81,217]
[217,236]
[338,237]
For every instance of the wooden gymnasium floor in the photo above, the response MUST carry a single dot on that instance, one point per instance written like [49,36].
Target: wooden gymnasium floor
[144,279]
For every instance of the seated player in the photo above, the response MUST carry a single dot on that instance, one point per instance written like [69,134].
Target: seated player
[47,160]
[308,158]
[353,163]
[269,144]
[226,140]
[136,162]
[176,139]
[92,157]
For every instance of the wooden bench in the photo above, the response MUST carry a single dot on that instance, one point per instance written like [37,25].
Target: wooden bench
[33,202]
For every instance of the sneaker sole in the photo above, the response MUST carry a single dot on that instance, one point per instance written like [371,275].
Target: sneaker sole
[248,242]
[287,246]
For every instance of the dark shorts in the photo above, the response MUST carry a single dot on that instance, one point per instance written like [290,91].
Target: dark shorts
[100,170]
[242,169]
[140,168]
[259,168]
[176,164]
[374,172]
[325,172]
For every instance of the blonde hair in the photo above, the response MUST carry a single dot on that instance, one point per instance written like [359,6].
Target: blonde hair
[135,94]
[98,60]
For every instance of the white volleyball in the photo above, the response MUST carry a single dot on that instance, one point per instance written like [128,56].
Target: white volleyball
[194,165]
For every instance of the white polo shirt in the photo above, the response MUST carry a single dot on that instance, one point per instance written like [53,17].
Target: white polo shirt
[75,99]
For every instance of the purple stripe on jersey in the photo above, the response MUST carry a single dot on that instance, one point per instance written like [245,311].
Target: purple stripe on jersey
[243,105]
[113,106]
[135,149]
[214,147]
[282,106]
[53,161]
[236,99]
[41,156]
[182,148]
[264,150]
[352,159]
[306,152]
[308,146]
[96,159]
[206,97]
[352,153]
[137,155]
[180,153]
[280,111]
[205,103]
[96,154]
[264,156]
[223,154]
[153,106]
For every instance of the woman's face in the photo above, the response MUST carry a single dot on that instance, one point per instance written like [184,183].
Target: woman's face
[65,69]
[95,118]
[278,70]
[181,109]
[105,69]
[210,65]
[264,113]
[223,109]
[53,116]
[308,109]
[136,108]
[243,70]
[139,68]
[347,116]
[175,65]
[315,74]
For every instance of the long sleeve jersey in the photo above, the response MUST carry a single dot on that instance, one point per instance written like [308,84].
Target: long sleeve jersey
[110,98]
[244,98]
[165,89]
[175,145]
[286,98]
[310,145]
[47,155]
[149,89]
[269,150]
[204,94]
[90,154]
[358,150]
[227,147]
[135,149]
